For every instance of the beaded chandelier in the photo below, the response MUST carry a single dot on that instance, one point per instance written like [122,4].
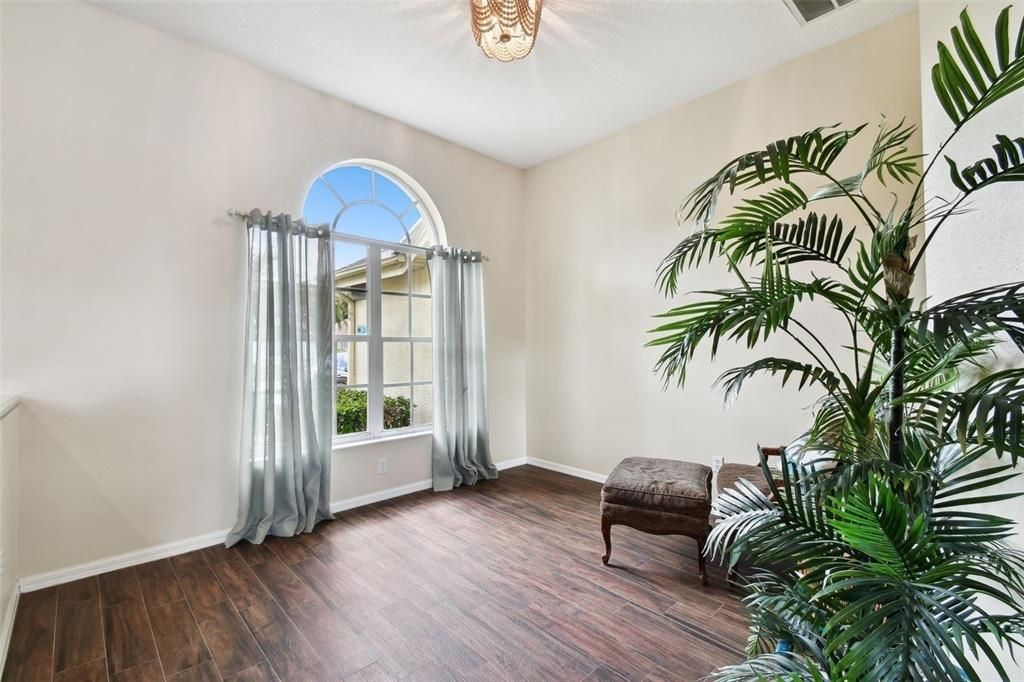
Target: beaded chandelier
[505,29]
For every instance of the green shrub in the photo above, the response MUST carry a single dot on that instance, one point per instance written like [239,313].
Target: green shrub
[351,411]
[397,412]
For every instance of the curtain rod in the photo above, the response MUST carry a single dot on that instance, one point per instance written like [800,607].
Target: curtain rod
[429,251]
[235,213]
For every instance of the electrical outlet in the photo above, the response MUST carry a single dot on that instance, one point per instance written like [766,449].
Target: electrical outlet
[382,465]
[716,462]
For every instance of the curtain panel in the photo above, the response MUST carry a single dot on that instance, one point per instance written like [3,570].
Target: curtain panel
[461,447]
[288,392]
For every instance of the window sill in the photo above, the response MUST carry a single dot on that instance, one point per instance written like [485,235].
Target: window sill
[344,444]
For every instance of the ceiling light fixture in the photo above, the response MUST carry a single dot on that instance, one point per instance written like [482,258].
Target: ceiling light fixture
[505,29]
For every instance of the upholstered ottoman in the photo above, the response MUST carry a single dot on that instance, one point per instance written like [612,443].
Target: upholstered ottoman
[663,496]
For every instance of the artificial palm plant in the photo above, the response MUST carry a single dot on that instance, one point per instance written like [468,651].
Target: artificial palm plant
[883,567]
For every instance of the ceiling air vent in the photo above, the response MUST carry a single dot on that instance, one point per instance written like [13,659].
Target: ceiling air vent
[809,10]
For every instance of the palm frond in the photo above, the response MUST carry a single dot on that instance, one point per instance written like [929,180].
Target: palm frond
[971,81]
[866,271]
[740,510]
[889,158]
[810,152]
[750,313]
[731,381]
[745,231]
[1007,166]
[931,365]
[783,608]
[774,667]
[874,521]
[990,412]
[978,313]
[813,238]
[890,155]
[701,245]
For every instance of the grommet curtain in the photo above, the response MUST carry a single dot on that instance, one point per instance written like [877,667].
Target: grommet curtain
[461,447]
[288,394]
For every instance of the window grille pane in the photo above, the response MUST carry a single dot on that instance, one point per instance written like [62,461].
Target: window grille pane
[411,217]
[394,271]
[420,275]
[372,221]
[397,407]
[351,363]
[351,182]
[394,313]
[351,410]
[321,205]
[422,405]
[421,317]
[350,264]
[397,366]
[350,312]
[422,361]
[390,194]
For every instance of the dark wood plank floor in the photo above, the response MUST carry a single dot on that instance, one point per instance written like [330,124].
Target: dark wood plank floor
[502,581]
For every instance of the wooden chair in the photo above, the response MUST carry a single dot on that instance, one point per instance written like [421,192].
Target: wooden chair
[729,474]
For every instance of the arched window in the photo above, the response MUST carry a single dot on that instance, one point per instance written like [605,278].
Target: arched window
[382,226]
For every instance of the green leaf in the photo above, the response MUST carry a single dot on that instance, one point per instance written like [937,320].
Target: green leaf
[812,152]
[814,238]
[1007,166]
[751,313]
[1003,39]
[731,382]
[971,81]
[875,522]
[700,246]
[998,309]
[990,412]
[747,230]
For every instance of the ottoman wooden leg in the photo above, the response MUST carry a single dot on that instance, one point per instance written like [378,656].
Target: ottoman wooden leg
[701,543]
[606,531]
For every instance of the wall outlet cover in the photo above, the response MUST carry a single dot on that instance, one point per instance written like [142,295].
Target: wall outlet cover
[717,462]
[382,465]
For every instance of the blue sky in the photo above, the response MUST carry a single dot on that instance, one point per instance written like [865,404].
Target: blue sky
[367,220]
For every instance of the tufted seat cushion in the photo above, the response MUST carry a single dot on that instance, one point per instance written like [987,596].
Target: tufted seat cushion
[663,496]
[664,485]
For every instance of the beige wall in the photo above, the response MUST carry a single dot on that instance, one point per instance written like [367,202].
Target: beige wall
[123,279]
[9,515]
[985,246]
[600,219]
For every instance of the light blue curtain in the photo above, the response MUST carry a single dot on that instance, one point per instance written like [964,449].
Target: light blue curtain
[461,449]
[288,394]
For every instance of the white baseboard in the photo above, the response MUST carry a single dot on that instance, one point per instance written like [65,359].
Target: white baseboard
[409,488]
[141,556]
[509,463]
[380,496]
[91,568]
[565,469]
[8,625]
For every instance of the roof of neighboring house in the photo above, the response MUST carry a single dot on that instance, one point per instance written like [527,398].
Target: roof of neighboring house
[393,263]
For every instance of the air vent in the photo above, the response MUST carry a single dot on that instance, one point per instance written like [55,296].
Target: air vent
[809,10]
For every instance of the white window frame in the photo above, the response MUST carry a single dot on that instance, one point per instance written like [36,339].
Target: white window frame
[375,340]
[375,386]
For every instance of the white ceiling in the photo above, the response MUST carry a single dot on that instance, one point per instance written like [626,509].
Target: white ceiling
[598,66]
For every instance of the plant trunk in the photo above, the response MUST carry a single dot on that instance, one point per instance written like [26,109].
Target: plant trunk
[898,281]
[896,410]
